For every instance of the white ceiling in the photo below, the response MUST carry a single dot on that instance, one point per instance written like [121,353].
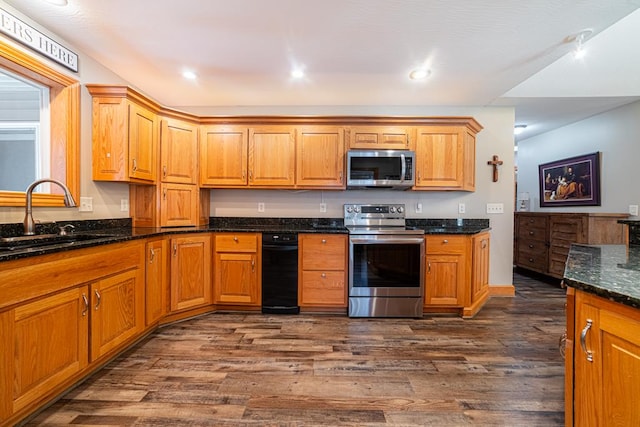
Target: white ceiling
[360,52]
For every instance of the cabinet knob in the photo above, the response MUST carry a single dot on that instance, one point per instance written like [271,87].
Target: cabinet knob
[445,241]
[531,233]
[530,246]
[530,259]
[323,275]
[324,241]
[235,239]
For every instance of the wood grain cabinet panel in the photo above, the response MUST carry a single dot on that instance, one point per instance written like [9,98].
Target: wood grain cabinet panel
[190,271]
[445,158]
[156,281]
[272,156]
[125,137]
[380,137]
[320,158]
[49,342]
[178,152]
[117,311]
[224,156]
[323,271]
[237,269]
[604,375]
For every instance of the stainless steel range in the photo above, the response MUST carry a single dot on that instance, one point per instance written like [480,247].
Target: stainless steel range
[386,262]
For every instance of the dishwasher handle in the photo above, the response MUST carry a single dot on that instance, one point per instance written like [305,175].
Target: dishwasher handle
[281,248]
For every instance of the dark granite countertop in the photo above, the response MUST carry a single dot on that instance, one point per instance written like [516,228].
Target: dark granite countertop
[120,230]
[609,271]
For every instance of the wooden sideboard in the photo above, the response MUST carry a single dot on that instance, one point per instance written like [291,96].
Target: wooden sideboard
[542,239]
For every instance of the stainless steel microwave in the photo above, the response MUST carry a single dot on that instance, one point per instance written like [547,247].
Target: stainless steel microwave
[394,169]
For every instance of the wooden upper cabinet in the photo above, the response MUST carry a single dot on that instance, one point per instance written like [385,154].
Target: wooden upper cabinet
[125,140]
[445,158]
[224,155]
[380,137]
[178,151]
[272,156]
[320,157]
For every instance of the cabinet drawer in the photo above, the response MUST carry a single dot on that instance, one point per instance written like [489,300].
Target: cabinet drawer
[324,252]
[534,261]
[532,234]
[529,222]
[323,287]
[445,244]
[527,245]
[236,242]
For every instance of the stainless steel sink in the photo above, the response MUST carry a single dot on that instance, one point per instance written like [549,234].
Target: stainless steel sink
[43,240]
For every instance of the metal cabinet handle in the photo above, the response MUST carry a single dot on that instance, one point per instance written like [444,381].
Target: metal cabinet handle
[164,171]
[253,264]
[429,267]
[562,344]
[152,255]
[135,165]
[85,300]
[244,174]
[484,244]
[164,194]
[583,340]
[340,176]
[175,249]
[250,176]
[98,300]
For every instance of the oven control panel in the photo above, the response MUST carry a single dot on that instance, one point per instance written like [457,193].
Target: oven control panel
[353,213]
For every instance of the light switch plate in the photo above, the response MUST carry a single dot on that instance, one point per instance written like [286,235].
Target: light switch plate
[495,208]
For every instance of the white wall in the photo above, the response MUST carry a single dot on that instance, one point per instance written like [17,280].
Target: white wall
[614,133]
[495,138]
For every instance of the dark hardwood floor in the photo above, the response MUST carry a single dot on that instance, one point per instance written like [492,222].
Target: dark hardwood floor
[501,368]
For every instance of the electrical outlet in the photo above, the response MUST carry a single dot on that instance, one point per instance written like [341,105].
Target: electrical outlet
[261,207]
[86,204]
[461,208]
[633,210]
[323,207]
[124,205]
[495,208]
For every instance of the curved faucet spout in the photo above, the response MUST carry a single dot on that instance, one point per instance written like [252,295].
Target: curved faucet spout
[29,223]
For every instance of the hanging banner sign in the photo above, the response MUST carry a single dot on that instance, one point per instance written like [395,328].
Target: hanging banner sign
[34,39]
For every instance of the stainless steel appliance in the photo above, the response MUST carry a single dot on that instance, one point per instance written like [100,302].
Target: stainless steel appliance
[393,169]
[386,262]
[280,273]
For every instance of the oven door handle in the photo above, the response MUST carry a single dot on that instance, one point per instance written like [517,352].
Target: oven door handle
[381,239]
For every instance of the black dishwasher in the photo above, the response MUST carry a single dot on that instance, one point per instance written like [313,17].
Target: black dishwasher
[280,273]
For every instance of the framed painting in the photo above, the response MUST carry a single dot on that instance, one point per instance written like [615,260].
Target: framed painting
[570,182]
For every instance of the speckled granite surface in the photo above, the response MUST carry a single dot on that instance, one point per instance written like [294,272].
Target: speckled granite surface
[634,231]
[119,230]
[609,271]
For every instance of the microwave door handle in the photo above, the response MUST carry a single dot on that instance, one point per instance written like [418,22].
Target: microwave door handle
[404,167]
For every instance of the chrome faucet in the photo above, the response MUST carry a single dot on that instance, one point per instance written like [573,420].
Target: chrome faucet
[29,223]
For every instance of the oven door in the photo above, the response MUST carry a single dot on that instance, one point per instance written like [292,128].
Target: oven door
[386,266]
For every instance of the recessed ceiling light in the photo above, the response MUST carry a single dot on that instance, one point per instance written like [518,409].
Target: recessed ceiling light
[297,73]
[58,2]
[518,129]
[189,75]
[419,74]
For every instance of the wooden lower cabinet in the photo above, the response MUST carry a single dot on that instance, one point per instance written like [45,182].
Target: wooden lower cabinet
[603,378]
[457,273]
[237,269]
[80,309]
[156,281]
[323,271]
[117,311]
[49,344]
[190,271]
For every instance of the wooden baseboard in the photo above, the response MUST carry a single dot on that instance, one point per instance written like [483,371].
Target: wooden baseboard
[502,291]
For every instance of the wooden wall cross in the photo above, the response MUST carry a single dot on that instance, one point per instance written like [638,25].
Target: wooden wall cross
[495,163]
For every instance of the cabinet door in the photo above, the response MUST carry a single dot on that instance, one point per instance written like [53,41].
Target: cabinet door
[117,304]
[224,156]
[236,278]
[480,267]
[440,157]
[110,139]
[178,205]
[272,156]
[49,344]
[143,143]
[379,137]
[156,281]
[320,157]
[323,277]
[445,279]
[178,152]
[190,271]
